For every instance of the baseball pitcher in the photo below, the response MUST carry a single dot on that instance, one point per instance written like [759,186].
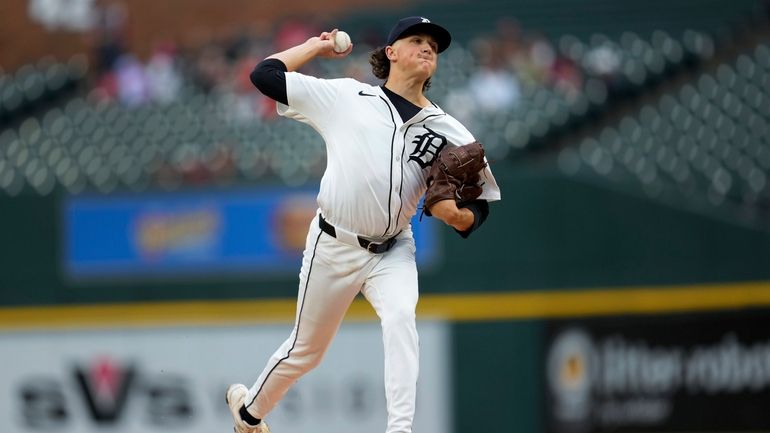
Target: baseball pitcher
[387,146]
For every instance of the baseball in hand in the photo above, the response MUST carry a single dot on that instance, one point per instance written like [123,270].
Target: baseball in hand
[341,42]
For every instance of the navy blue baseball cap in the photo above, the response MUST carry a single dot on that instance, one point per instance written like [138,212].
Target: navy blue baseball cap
[412,25]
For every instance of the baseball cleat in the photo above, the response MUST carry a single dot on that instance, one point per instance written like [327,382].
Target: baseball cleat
[234,397]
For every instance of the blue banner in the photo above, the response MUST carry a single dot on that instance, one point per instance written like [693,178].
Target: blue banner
[255,231]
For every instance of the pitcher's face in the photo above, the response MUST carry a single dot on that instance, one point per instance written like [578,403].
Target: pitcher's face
[417,53]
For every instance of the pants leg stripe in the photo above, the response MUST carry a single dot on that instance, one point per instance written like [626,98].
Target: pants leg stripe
[299,320]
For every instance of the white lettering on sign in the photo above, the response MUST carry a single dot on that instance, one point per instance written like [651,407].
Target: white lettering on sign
[173,380]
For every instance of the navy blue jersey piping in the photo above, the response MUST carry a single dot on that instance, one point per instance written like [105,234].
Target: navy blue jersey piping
[401,205]
[299,320]
[392,144]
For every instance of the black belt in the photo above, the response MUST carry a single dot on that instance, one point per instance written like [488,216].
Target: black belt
[365,244]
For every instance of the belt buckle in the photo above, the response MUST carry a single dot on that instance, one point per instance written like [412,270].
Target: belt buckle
[371,247]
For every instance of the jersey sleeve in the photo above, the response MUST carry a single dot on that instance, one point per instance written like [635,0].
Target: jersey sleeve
[490,191]
[310,99]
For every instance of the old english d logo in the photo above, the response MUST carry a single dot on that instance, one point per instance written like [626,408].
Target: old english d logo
[427,146]
[105,388]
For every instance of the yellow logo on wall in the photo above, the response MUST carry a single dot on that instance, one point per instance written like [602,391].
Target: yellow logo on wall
[190,232]
[291,221]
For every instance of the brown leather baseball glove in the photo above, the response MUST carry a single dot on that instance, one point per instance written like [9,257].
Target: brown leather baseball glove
[454,175]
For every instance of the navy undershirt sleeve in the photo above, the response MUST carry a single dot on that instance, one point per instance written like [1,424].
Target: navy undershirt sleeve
[480,209]
[269,76]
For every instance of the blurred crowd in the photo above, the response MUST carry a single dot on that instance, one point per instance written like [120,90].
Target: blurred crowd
[505,62]
[512,57]
[500,64]
[479,77]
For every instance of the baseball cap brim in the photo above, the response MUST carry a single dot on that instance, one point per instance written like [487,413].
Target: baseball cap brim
[414,25]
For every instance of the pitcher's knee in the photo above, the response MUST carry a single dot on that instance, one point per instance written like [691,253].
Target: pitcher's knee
[314,360]
[400,318]
[306,361]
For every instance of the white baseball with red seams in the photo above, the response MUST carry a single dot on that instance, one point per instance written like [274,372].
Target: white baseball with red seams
[377,166]
[341,41]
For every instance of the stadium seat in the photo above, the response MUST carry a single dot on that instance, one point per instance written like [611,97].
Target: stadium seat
[708,138]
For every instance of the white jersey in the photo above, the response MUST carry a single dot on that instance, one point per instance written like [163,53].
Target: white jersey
[377,165]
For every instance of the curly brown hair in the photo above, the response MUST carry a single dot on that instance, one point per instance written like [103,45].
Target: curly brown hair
[381,66]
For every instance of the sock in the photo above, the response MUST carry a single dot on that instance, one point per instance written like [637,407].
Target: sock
[248,418]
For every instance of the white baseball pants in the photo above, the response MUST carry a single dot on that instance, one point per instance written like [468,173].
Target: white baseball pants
[332,274]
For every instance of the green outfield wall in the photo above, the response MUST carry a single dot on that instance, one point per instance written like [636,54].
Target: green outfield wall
[548,233]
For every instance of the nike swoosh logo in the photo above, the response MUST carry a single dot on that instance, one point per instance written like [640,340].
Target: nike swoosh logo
[361,93]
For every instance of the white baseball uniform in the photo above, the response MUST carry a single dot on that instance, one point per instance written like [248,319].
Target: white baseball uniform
[376,171]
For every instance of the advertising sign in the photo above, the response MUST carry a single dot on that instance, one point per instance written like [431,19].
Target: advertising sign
[178,235]
[681,373]
[174,380]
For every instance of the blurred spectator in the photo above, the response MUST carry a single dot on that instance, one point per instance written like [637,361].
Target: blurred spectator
[533,60]
[133,87]
[542,57]
[163,78]
[109,36]
[566,78]
[492,87]
[237,46]
[249,104]
[105,88]
[462,104]
[602,60]
[211,68]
